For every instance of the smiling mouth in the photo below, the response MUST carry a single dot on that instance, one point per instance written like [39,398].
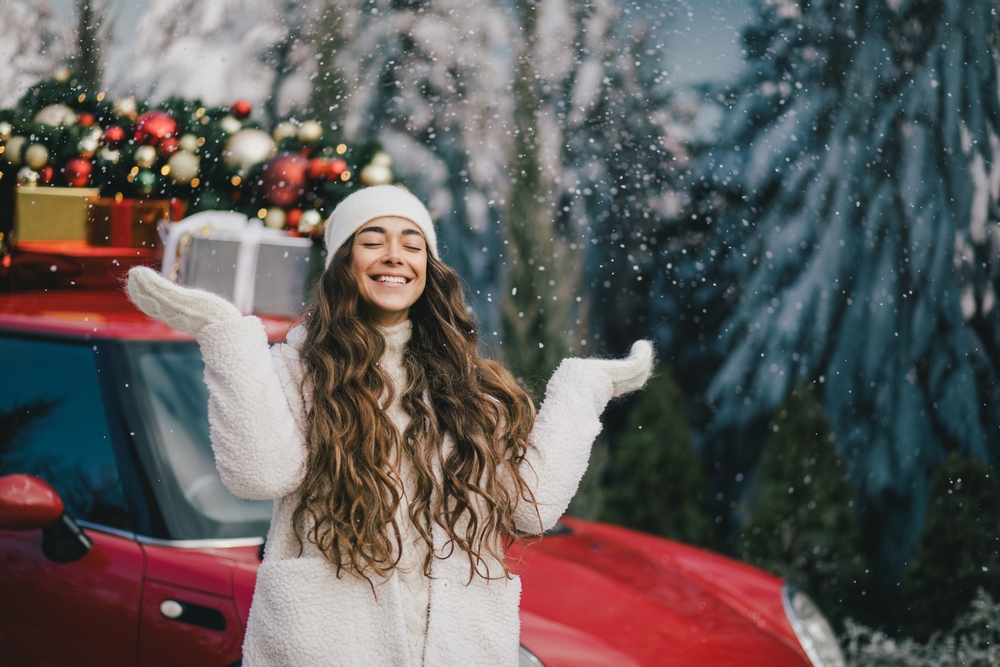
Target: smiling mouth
[397,280]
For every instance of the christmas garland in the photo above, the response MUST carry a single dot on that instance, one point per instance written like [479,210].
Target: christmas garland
[205,158]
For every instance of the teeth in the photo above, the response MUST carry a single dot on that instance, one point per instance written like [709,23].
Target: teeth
[391,279]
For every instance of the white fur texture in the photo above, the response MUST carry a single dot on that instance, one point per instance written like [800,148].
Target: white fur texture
[302,614]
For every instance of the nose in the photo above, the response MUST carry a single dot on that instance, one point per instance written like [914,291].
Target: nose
[393,253]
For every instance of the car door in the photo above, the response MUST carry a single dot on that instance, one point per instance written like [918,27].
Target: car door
[53,425]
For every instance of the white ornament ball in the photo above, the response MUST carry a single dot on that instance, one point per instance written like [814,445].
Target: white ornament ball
[310,132]
[62,74]
[189,143]
[284,130]
[309,220]
[376,174]
[55,115]
[382,159]
[145,156]
[275,218]
[184,167]
[87,147]
[230,125]
[13,150]
[27,176]
[110,154]
[5,130]
[125,106]
[37,156]
[247,148]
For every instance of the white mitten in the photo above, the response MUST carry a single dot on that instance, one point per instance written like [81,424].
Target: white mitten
[183,308]
[631,373]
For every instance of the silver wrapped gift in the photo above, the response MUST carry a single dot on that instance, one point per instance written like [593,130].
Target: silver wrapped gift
[259,270]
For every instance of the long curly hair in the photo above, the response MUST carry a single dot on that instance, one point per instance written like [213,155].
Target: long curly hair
[350,496]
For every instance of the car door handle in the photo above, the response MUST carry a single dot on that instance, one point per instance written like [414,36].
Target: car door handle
[193,614]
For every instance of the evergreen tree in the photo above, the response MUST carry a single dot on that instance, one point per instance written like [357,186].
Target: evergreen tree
[959,549]
[31,47]
[844,234]
[655,482]
[800,522]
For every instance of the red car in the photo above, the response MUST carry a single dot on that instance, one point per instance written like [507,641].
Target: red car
[119,545]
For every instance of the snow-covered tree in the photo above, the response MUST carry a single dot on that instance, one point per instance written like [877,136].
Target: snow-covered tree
[222,51]
[32,45]
[847,234]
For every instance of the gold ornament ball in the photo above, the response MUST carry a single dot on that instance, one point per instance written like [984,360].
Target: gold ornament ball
[189,143]
[284,130]
[27,176]
[184,167]
[309,220]
[5,130]
[62,74]
[275,218]
[145,156]
[55,115]
[12,152]
[376,174]
[310,132]
[247,148]
[382,159]
[230,125]
[37,156]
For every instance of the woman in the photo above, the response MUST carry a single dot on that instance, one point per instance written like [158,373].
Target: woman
[401,461]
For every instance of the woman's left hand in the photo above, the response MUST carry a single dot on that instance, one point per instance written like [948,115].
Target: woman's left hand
[631,373]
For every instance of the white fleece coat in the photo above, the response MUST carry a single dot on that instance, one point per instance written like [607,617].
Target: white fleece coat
[302,614]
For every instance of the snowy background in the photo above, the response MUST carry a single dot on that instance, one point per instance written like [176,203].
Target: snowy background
[776,192]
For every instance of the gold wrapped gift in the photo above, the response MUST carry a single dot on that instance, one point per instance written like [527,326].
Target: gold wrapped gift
[43,213]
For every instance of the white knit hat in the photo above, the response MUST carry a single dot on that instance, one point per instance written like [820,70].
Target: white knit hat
[377,201]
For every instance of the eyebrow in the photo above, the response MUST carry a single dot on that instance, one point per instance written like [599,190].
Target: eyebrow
[381,230]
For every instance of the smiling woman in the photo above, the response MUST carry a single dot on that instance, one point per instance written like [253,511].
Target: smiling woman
[403,464]
[389,262]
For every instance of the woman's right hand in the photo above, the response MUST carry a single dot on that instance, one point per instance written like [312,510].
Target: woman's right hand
[183,308]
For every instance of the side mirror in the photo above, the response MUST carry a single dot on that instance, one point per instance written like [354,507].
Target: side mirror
[28,503]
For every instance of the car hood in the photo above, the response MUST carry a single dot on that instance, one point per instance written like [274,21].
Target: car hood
[652,600]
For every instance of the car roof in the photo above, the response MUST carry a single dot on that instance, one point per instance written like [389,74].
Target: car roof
[96,314]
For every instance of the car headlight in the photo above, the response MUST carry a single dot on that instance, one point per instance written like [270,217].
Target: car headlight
[526,658]
[812,628]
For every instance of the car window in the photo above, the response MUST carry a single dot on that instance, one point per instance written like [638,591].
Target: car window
[170,377]
[53,426]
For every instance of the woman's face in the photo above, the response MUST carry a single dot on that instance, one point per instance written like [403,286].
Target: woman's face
[389,262]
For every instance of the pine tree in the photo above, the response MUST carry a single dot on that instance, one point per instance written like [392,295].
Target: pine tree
[844,234]
[655,482]
[31,47]
[959,549]
[800,522]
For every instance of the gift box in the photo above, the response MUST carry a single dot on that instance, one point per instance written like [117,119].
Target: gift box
[44,213]
[127,223]
[259,270]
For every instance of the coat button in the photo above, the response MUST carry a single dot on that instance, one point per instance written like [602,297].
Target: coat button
[171,608]
[445,584]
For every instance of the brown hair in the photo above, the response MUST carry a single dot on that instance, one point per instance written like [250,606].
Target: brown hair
[348,494]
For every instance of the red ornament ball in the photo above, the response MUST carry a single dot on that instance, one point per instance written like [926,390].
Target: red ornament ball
[86,119]
[240,109]
[284,179]
[169,146]
[337,167]
[293,217]
[113,136]
[319,167]
[154,126]
[77,172]
[46,174]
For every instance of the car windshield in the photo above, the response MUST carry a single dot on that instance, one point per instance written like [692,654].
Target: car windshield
[173,393]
